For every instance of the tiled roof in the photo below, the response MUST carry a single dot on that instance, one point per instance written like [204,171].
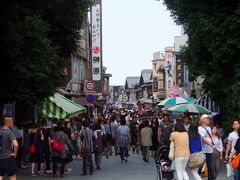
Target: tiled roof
[146,75]
[131,82]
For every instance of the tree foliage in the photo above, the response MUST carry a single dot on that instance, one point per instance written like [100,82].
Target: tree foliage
[36,37]
[213,50]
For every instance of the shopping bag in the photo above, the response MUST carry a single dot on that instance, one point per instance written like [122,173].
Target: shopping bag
[171,151]
[173,167]
[204,171]
[229,170]
[235,162]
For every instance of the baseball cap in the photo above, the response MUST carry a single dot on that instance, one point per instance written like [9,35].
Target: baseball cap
[204,116]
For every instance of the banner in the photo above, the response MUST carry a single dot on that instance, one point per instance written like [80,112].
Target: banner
[155,84]
[179,73]
[169,69]
[96,42]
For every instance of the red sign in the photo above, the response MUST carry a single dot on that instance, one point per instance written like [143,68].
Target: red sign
[96,50]
[90,86]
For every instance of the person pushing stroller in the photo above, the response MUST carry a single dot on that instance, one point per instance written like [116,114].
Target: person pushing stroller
[165,130]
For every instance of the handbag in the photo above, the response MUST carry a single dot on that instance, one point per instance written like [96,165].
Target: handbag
[171,151]
[31,148]
[196,160]
[57,146]
[235,162]
[204,173]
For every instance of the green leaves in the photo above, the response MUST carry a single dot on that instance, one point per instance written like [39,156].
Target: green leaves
[213,47]
[36,39]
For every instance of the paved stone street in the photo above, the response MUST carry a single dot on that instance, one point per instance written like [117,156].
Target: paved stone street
[114,169]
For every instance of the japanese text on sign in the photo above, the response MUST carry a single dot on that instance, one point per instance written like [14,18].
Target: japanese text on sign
[169,69]
[96,42]
[179,72]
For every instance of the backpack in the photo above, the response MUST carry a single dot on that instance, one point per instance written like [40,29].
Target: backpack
[57,146]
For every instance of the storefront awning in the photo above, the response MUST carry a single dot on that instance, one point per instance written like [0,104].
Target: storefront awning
[205,101]
[60,107]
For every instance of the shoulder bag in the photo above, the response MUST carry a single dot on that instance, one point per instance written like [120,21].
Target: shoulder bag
[31,148]
[171,151]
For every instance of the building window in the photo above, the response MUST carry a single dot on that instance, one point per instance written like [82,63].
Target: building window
[155,66]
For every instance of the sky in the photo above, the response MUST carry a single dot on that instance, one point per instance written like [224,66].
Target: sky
[132,31]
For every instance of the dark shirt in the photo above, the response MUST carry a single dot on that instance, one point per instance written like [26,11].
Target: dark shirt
[166,130]
[133,128]
[7,139]
[68,132]
[141,126]
[92,127]
[237,146]
[45,143]
[35,139]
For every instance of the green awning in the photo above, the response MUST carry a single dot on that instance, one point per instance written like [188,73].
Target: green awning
[60,107]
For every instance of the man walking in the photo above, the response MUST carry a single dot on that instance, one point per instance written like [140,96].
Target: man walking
[87,136]
[205,132]
[146,141]
[7,156]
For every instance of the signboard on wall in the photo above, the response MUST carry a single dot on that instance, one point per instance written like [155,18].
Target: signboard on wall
[155,84]
[96,42]
[169,69]
[179,73]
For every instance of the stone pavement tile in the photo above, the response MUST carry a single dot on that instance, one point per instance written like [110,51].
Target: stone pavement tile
[113,169]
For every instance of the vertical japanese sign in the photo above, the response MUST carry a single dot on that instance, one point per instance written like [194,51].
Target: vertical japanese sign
[179,72]
[169,69]
[96,42]
[155,84]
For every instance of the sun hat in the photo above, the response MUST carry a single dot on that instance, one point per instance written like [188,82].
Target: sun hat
[204,116]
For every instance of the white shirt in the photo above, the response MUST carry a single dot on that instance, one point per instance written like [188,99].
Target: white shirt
[204,134]
[187,127]
[233,137]
[218,143]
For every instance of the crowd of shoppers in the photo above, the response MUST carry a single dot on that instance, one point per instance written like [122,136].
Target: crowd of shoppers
[53,147]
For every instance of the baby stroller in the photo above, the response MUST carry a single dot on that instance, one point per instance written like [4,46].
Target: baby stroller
[163,163]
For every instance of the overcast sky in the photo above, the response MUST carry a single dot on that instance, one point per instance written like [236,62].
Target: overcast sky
[132,31]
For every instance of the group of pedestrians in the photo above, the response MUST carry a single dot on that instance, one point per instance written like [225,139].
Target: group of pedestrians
[51,149]
[192,142]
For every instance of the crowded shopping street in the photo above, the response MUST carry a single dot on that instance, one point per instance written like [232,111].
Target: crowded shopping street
[120,90]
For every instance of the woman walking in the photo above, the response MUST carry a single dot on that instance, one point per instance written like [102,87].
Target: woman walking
[146,135]
[67,131]
[123,139]
[37,156]
[218,153]
[195,146]
[98,145]
[181,150]
[60,149]
[155,128]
